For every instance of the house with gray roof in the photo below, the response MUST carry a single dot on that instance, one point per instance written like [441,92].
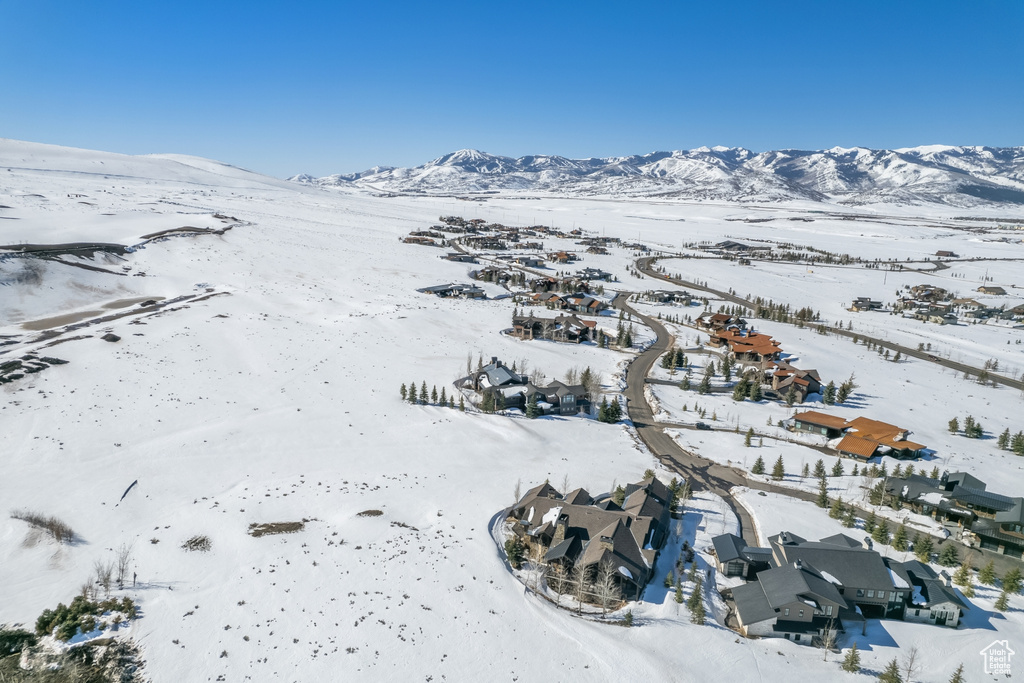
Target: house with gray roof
[931,599]
[857,571]
[794,601]
[573,530]
[990,520]
[734,557]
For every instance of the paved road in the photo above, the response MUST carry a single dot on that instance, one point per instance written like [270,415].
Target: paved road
[645,265]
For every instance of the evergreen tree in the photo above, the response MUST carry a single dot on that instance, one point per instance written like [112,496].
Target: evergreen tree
[949,557]
[1012,581]
[619,495]
[444,397]
[843,393]
[679,592]
[433,394]
[487,402]
[837,469]
[856,470]
[822,493]
[923,546]
[851,663]
[881,532]
[1004,440]
[987,574]
[934,473]
[837,508]
[754,393]
[423,393]
[819,468]
[404,392]
[829,396]
[685,384]
[850,518]
[462,403]
[758,467]
[954,426]
[705,385]
[891,674]
[870,523]
[958,675]
[627,341]
[532,409]
[451,401]
[739,392]
[602,410]
[1017,443]
[899,539]
[412,393]
[778,470]
[791,395]
[805,472]
[1001,602]
[897,471]
[748,437]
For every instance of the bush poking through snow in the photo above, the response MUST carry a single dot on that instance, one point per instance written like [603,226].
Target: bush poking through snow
[67,620]
[60,531]
[200,543]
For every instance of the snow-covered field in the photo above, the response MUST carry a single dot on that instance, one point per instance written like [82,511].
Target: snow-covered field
[277,400]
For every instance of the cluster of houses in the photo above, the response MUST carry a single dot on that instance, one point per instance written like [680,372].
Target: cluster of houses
[578,302]
[561,328]
[575,531]
[733,248]
[510,389]
[730,333]
[799,589]
[987,520]
[861,438]
[928,303]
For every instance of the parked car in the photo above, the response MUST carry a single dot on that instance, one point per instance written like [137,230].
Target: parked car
[703,425]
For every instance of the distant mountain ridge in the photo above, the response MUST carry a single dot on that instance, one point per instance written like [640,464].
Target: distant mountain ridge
[933,174]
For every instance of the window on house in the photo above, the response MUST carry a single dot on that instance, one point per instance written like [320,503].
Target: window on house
[786,612]
[871,593]
[860,592]
[796,637]
[917,613]
[828,610]
[801,614]
[892,596]
[899,596]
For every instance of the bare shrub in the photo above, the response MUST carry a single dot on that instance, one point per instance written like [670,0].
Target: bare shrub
[370,513]
[124,561]
[61,532]
[104,574]
[197,543]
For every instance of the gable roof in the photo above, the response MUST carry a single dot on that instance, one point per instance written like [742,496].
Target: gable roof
[821,419]
[853,566]
[855,445]
[929,589]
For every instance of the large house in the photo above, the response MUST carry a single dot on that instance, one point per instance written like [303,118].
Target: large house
[455,290]
[513,390]
[574,530]
[746,345]
[562,328]
[836,582]
[719,321]
[733,557]
[802,382]
[990,520]
[862,438]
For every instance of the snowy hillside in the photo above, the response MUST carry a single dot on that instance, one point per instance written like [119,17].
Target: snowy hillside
[236,344]
[955,176]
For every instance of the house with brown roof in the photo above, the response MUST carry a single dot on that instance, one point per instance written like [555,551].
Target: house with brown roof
[746,345]
[576,530]
[802,382]
[862,437]
[992,289]
[719,321]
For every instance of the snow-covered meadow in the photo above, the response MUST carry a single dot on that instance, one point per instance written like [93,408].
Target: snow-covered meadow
[277,400]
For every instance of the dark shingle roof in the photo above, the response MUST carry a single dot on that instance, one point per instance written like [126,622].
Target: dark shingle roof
[852,566]
[930,588]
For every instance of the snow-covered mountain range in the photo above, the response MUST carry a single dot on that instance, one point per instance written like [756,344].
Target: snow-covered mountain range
[935,174]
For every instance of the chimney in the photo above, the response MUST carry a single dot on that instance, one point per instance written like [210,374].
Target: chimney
[495,362]
[606,543]
[866,542]
[560,527]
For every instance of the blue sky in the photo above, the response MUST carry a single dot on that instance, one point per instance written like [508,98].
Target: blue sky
[327,87]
